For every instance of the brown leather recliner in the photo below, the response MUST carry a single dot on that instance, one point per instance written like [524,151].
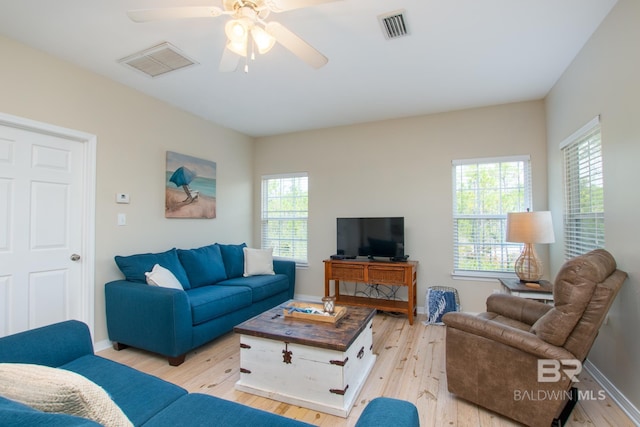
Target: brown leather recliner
[492,358]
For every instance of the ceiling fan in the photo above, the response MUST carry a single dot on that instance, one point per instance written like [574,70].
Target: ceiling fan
[248,29]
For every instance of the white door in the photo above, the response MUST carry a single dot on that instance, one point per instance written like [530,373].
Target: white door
[43,276]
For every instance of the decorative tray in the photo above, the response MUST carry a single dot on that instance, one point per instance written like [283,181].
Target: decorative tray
[311,311]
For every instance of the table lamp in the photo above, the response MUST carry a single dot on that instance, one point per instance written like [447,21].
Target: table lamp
[529,228]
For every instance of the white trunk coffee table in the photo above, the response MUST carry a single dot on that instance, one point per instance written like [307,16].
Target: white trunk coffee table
[317,365]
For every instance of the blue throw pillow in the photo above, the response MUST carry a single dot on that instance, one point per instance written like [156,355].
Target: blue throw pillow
[204,266]
[134,266]
[233,257]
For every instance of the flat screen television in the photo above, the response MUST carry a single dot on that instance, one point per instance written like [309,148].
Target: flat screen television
[381,237]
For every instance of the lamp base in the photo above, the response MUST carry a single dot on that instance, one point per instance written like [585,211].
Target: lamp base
[528,266]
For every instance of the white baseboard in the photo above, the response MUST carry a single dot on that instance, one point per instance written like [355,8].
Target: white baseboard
[308,298]
[613,392]
[101,345]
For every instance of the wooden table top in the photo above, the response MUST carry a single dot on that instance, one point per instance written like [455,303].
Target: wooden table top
[274,325]
[518,286]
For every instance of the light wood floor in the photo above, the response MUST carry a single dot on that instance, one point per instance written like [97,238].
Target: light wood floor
[410,366]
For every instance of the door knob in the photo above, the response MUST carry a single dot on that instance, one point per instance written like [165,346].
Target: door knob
[74,257]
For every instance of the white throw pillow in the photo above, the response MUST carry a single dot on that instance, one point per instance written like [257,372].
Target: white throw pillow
[160,276]
[58,390]
[258,261]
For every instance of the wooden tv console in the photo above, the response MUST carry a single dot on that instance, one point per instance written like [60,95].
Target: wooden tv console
[373,273]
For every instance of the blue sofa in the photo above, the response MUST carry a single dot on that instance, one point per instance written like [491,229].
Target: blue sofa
[215,297]
[145,399]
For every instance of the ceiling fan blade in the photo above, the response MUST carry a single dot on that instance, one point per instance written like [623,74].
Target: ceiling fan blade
[296,45]
[146,15]
[284,5]
[229,61]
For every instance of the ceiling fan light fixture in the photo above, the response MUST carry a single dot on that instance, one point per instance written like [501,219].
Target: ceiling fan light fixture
[263,40]
[246,16]
[236,30]
[239,48]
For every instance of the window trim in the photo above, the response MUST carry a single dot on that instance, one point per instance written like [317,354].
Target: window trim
[500,159]
[585,129]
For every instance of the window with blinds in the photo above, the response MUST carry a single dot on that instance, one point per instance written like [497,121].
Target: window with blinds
[583,191]
[284,215]
[485,190]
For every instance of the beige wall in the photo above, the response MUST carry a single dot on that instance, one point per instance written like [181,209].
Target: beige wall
[605,79]
[133,132]
[402,168]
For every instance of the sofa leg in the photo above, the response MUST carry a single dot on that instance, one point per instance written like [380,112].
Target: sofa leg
[564,415]
[178,360]
[119,346]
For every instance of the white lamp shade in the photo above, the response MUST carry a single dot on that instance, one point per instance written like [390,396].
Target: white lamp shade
[236,30]
[238,48]
[263,40]
[530,227]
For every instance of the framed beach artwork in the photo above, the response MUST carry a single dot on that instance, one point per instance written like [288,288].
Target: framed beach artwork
[190,187]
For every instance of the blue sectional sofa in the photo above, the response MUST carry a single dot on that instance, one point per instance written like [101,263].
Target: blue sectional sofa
[215,296]
[147,400]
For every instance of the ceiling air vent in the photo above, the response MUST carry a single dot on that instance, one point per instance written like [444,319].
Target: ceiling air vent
[393,24]
[158,60]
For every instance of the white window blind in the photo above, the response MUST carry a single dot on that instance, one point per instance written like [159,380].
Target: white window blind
[583,191]
[284,215]
[485,190]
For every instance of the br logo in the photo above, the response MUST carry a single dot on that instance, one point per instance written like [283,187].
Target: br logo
[551,370]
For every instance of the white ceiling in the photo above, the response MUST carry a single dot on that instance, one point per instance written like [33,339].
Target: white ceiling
[459,54]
